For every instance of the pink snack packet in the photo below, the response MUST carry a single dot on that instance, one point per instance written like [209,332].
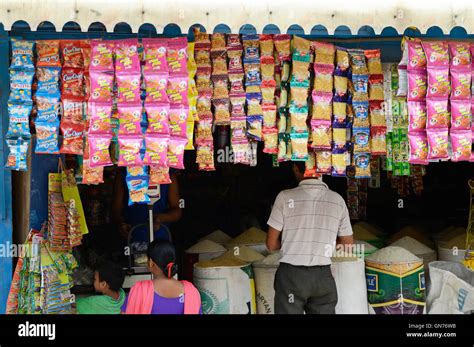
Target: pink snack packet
[158,118]
[99,118]
[416,116]
[416,56]
[418,148]
[129,150]
[437,53]
[461,84]
[461,144]
[156,85]
[461,114]
[177,121]
[460,55]
[102,84]
[101,56]
[130,116]
[99,150]
[155,54]
[159,175]
[177,90]
[437,143]
[417,85]
[176,56]
[176,152]
[126,56]
[438,83]
[437,114]
[128,87]
[156,150]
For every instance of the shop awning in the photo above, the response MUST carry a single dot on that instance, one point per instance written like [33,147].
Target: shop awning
[331,15]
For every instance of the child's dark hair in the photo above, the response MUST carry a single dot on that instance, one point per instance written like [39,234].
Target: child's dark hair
[110,273]
[163,255]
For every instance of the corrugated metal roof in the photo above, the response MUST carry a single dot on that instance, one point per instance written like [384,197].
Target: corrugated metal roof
[308,14]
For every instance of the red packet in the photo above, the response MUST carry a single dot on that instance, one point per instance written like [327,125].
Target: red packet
[158,119]
[47,53]
[129,150]
[99,150]
[156,150]
[72,54]
[72,84]
[156,85]
[101,55]
[126,56]
[159,175]
[73,111]
[155,55]
[86,53]
[128,87]
[130,116]
[72,138]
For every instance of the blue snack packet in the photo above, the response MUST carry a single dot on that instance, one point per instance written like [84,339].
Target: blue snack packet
[19,120]
[22,54]
[20,85]
[48,82]
[137,171]
[137,190]
[47,137]
[48,109]
[17,156]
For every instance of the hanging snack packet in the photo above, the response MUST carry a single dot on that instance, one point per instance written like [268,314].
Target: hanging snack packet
[323,80]
[134,171]
[251,46]
[126,56]
[73,138]
[461,114]
[266,45]
[270,138]
[357,62]
[322,106]
[47,138]
[418,148]
[22,54]
[159,175]
[299,146]
[339,164]
[47,53]
[72,87]
[321,135]
[310,166]
[437,143]
[72,111]
[101,56]
[48,109]
[340,114]
[176,152]
[416,56]
[300,66]
[254,127]
[417,116]
[129,150]
[177,121]
[461,144]
[267,66]
[177,90]
[99,118]
[460,55]
[374,63]
[269,116]
[72,54]
[268,91]
[360,84]
[282,46]
[18,123]
[438,83]
[48,82]
[323,162]
[220,83]
[128,88]
[324,53]
[299,93]
[438,114]
[342,59]
[437,53]
[377,115]
[339,140]
[461,84]
[92,175]
[361,112]
[86,53]
[361,139]
[156,85]
[362,165]
[155,55]
[137,190]
[101,86]
[20,85]
[130,116]
[417,85]
[378,142]
[376,91]
[99,150]
[298,115]
[341,83]
[176,56]
[17,155]
[158,119]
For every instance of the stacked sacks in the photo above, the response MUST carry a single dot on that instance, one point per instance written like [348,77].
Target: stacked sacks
[417,248]
[453,249]
[264,271]
[395,282]
[203,250]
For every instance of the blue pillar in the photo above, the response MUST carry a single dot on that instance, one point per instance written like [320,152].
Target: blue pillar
[5,175]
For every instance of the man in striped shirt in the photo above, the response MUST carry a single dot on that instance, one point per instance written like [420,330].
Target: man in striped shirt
[305,223]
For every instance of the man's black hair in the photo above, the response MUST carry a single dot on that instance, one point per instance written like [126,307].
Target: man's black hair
[163,254]
[300,165]
[110,273]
